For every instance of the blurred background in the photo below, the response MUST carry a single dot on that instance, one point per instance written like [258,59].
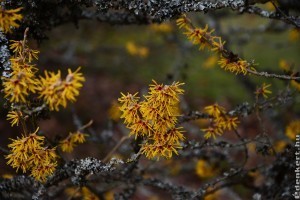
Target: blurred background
[117,59]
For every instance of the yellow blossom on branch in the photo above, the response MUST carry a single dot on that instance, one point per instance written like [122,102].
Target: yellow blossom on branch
[155,119]
[21,81]
[212,131]
[182,22]
[14,117]
[42,171]
[205,39]
[263,91]
[238,67]
[23,54]
[228,123]
[68,144]
[29,153]
[219,122]
[157,150]
[129,108]
[9,18]
[57,92]
[18,86]
[215,110]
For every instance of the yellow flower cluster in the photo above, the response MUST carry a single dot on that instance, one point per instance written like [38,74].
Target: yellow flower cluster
[220,121]
[21,81]
[204,38]
[293,129]
[136,50]
[155,119]
[9,18]
[68,144]
[29,153]
[57,92]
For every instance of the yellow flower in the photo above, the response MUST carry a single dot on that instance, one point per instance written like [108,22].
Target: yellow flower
[173,136]
[182,22]
[18,86]
[140,128]
[17,46]
[128,100]
[72,84]
[9,18]
[155,119]
[293,129]
[42,171]
[68,144]
[164,97]
[212,131]
[14,117]
[215,110]
[217,44]
[57,92]
[50,88]
[157,150]
[78,137]
[229,123]
[200,36]
[22,52]
[28,153]
[263,90]
[204,169]
[131,114]
[238,67]
[31,54]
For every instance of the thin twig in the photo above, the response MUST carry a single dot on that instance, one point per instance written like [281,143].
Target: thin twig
[86,125]
[245,147]
[268,75]
[123,139]
[4,150]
